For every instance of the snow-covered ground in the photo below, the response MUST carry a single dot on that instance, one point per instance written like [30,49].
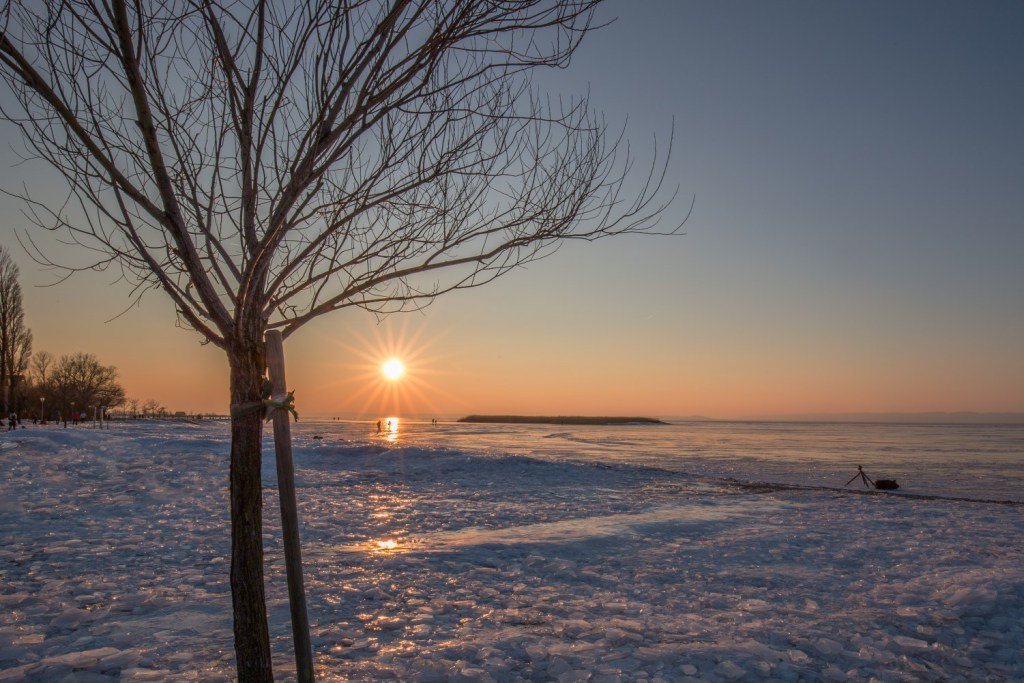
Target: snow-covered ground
[434,564]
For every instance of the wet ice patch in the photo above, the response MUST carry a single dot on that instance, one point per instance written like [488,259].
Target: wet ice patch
[678,515]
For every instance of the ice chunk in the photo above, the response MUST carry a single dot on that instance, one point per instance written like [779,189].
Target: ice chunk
[81,660]
[828,647]
[730,671]
[911,644]
[577,676]
[558,666]
[536,653]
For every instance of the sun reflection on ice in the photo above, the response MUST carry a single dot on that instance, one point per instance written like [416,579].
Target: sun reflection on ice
[390,428]
[386,544]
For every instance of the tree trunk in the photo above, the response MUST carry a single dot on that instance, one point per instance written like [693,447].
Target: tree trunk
[252,638]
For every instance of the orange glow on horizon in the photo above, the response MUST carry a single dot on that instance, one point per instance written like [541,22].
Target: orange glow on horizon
[498,368]
[390,371]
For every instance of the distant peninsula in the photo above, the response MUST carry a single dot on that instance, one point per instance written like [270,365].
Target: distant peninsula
[560,420]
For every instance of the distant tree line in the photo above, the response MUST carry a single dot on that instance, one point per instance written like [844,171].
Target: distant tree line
[43,386]
[133,408]
[72,383]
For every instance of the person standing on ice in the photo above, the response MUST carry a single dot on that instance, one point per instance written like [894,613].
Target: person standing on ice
[12,421]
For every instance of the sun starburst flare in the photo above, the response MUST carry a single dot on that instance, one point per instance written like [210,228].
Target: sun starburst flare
[393,369]
[389,372]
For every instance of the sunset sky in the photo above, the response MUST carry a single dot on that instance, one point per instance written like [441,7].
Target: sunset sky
[856,244]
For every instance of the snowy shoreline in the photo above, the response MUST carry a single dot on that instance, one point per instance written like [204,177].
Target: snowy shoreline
[436,564]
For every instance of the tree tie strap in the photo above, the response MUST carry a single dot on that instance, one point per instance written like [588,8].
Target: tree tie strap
[267,405]
[279,402]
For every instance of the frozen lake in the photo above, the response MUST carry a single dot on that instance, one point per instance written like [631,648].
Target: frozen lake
[974,461]
[518,552]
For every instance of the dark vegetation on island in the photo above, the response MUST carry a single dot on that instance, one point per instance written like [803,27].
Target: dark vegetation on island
[560,420]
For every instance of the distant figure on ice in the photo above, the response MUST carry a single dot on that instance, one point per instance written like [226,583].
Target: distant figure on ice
[12,421]
[378,427]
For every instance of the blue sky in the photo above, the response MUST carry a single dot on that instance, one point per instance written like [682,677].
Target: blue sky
[856,242]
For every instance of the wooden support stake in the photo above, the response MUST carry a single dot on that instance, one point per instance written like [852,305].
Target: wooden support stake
[289,512]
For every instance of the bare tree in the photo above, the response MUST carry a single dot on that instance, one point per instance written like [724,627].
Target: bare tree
[41,363]
[264,163]
[81,380]
[15,337]
[151,408]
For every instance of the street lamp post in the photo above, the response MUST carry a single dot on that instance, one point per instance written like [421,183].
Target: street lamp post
[42,409]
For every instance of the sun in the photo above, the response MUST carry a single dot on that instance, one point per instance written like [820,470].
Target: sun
[390,373]
[393,369]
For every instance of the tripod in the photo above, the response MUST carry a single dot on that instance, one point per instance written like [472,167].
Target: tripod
[865,478]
